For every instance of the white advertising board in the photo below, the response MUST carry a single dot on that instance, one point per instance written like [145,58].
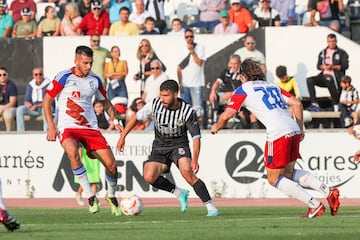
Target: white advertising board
[231,159]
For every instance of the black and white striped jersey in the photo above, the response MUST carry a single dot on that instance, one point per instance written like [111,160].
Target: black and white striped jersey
[171,126]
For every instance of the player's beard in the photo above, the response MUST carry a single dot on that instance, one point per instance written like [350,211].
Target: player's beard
[171,104]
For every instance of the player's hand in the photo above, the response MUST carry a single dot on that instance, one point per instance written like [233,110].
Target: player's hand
[120,144]
[212,97]
[214,129]
[119,127]
[51,135]
[195,166]
[357,157]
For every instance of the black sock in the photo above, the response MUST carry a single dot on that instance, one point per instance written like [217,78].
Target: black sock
[164,184]
[201,191]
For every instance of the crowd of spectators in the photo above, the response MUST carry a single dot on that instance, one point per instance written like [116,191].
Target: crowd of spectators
[21,18]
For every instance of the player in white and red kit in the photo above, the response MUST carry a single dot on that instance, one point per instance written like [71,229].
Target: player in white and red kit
[76,123]
[269,104]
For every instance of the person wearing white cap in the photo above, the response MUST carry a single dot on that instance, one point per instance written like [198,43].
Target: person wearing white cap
[6,21]
[17,5]
[95,22]
[25,28]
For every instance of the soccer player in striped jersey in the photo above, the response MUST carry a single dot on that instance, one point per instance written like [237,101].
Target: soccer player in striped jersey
[173,118]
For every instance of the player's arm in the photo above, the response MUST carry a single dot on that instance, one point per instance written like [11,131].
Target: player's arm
[52,132]
[192,125]
[223,119]
[298,111]
[142,114]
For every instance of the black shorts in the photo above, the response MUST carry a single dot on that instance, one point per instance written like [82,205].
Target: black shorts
[169,155]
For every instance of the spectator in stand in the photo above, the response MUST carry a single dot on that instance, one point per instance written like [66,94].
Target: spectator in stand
[114,9]
[349,100]
[288,83]
[25,28]
[99,56]
[152,85]
[157,11]
[103,118]
[149,27]
[225,26]
[146,55]
[137,104]
[329,13]
[115,72]
[249,51]
[8,100]
[241,16]
[176,28]
[191,76]
[6,21]
[332,62]
[95,22]
[265,16]
[138,17]
[124,27]
[34,94]
[84,7]
[50,25]
[17,6]
[286,10]
[71,20]
[209,14]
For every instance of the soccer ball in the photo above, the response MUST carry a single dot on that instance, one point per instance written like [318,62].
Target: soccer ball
[131,205]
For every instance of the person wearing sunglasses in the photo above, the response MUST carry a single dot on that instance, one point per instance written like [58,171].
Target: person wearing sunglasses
[100,55]
[8,100]
[191,76]
[34,94]
[95,22]
[249,51]
[153,83]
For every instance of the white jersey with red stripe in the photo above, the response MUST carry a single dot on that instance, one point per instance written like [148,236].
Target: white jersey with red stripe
[74,99]
[268,103]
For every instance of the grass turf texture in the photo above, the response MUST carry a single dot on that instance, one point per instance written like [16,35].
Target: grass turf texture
[169,223]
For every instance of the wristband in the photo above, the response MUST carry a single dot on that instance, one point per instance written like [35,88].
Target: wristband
[116,122]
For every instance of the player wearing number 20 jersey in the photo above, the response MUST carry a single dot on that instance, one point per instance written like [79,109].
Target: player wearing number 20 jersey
[271,111]
[74,99]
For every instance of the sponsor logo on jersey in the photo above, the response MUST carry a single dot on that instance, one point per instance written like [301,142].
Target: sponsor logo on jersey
[75,95]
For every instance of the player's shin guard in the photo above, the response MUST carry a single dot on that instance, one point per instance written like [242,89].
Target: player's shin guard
[164,184]
[201,190]
[80,173]
[112,184]
[309,180]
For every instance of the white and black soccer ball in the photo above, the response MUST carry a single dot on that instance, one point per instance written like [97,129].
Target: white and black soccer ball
[131,205]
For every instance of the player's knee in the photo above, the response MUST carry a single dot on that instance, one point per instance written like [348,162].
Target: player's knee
[149,178]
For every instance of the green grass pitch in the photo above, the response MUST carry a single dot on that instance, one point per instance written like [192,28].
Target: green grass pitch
[162,223]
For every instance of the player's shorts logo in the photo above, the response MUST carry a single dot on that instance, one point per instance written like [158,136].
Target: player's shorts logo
[245,162]
[181,151]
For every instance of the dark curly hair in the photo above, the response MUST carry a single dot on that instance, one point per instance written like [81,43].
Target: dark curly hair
[251,69]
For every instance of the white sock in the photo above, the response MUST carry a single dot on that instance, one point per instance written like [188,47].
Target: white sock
[2,205]
[177,191]
[210,206]
[294,190]
[309,180]
[80,173]
[112,185]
